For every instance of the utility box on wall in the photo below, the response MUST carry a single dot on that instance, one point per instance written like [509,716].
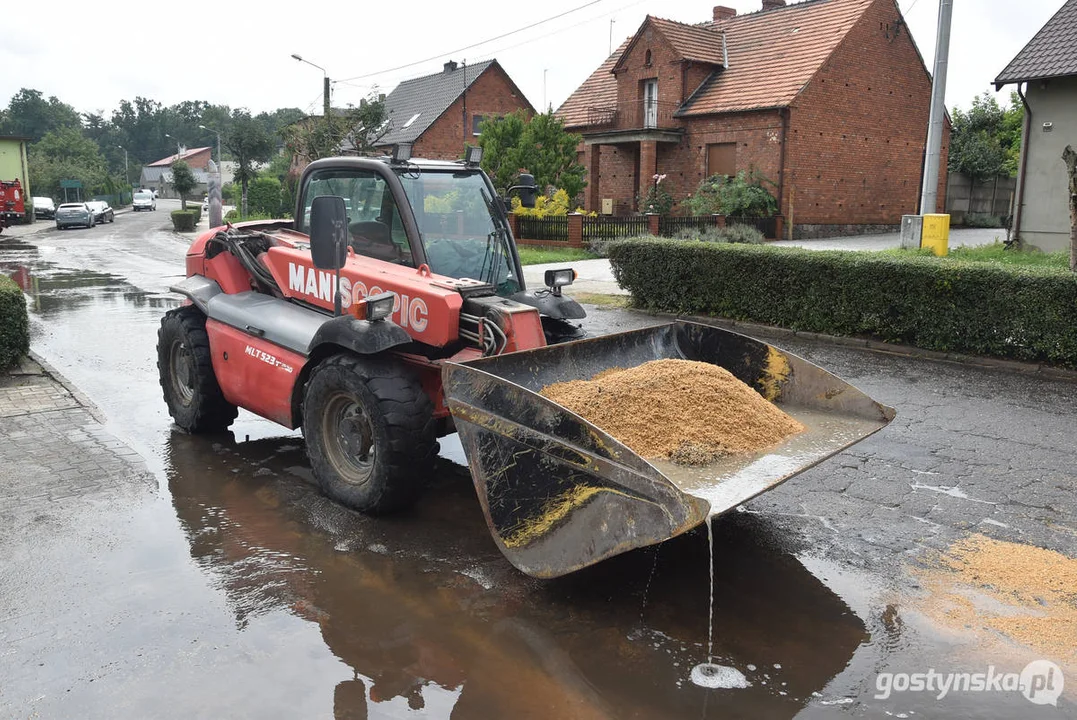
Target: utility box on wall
[912,227]
[607,206]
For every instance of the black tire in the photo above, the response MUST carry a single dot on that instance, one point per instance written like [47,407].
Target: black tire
[370,432]
[185,366]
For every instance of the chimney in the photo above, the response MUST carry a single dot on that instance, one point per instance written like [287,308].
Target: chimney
[722,13]
[773,4]
[451,65]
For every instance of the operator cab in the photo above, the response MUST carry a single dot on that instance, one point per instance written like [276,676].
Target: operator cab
[458,227]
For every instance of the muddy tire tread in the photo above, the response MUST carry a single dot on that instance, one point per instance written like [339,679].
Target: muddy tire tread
[210,412]
[406,459]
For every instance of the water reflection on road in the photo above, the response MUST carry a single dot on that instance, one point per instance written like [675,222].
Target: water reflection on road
[428,615]
[421,607]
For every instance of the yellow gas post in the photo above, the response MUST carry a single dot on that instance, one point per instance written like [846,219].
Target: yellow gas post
[936,234]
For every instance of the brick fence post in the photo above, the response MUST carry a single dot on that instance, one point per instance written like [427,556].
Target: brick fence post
[652,223]
[514,225]
[575,230]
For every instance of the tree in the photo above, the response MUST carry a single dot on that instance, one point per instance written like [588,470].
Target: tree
[31,115]
[248,143]
[65,154]
[539,145]
[985,141]
[356,131]
[183,180]
[499,138]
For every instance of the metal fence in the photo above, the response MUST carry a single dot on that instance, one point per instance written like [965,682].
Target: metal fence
[766,225]
[608,228]
[668,225]
[549,229]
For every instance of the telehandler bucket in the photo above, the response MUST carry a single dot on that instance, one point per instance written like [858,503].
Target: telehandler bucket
[560,494]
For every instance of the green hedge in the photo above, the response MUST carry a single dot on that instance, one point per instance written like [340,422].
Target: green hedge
[185,220]
[1021,312]
[14,324]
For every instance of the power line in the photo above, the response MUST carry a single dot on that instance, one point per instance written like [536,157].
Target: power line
[474,45]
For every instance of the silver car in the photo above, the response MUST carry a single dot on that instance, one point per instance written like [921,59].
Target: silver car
[70,214]
[143,200]
[102,211]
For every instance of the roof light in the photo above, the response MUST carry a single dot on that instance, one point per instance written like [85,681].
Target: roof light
[473,155]
[401,152]
[412,119]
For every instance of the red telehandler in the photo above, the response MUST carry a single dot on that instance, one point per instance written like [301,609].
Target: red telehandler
[392,310]
[12,203]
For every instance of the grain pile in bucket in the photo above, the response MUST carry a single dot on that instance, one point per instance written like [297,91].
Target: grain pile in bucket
[688,412]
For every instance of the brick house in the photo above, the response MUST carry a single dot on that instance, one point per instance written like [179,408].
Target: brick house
[829,99]
[440,113]
[157,176]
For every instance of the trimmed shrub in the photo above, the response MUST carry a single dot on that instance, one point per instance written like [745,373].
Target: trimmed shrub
[14,324]
[1015,311]
[745,234]
[982,220]
[264,197]
[184,220]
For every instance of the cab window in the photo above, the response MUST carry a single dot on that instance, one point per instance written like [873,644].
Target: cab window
[373,219]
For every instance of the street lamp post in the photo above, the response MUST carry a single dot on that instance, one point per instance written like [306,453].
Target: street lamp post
[325,88]
[218,134]
[126,174]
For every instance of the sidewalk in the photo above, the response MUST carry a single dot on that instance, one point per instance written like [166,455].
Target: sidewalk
[53,449]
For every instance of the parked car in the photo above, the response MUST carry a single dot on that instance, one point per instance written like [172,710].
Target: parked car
[143,200]
[102,212]
[44,207]
[70,214]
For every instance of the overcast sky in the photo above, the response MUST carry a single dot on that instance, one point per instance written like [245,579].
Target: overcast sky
[92,56]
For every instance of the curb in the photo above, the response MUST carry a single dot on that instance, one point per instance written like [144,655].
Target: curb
[769,331]
[77,394]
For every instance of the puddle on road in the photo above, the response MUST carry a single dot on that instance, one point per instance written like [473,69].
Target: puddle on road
[425,600]
[423,609]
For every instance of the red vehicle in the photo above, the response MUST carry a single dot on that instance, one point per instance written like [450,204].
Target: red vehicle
[12,203]
[393,310]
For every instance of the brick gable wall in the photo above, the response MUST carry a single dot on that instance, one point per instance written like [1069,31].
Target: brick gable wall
[492,94]
[857,131]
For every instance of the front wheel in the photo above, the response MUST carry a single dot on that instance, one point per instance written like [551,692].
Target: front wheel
[370,432]
[185,366]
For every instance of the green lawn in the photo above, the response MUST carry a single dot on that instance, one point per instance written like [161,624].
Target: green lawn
[996,253]
[538,255]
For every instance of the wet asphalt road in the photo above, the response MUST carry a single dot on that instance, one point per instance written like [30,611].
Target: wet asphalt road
[234,589]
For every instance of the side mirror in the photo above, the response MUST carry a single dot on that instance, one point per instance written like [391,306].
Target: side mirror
[527,189]
[328,232]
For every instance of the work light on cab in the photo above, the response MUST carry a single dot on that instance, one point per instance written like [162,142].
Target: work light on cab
[557,279]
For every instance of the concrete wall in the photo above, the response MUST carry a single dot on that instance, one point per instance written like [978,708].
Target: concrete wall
[982,197]
[13,163]
[1045,221]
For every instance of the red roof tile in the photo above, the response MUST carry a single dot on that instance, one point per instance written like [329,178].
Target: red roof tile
[173,158]
[599,90]
[772,56]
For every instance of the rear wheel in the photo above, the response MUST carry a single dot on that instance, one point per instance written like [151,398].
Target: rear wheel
[185,365]
[370,432]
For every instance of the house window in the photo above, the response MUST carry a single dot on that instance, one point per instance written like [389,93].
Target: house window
[476,121]
[722,159]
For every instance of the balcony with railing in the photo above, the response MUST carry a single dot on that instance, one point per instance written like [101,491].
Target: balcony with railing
[632,116]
